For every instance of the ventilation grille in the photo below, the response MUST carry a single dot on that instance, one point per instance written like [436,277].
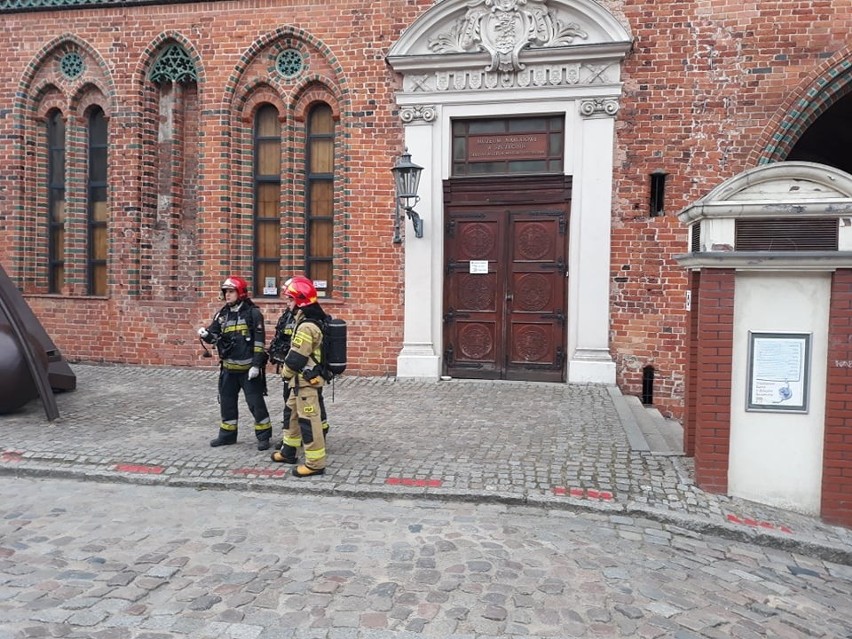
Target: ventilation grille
[809,234]
[695,244]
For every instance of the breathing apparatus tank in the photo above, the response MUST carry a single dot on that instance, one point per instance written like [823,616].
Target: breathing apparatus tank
[334,345]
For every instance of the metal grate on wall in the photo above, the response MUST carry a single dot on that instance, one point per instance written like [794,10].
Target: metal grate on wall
[695,242]
[808,234]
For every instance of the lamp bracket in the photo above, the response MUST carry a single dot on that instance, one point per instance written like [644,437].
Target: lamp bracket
[416,220]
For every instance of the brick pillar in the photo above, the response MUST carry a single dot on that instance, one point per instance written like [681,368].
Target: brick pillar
[837,457]
[715,335]
[691,375]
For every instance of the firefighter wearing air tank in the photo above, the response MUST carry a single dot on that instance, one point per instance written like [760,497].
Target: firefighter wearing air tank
[302,371]
[238,333]
[278,349]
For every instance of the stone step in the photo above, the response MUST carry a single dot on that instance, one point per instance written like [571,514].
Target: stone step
[663,436]
[670,430]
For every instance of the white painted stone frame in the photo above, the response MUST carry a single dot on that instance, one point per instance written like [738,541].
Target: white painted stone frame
[581,81]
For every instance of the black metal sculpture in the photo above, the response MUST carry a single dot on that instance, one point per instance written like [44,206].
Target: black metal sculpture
[30,363]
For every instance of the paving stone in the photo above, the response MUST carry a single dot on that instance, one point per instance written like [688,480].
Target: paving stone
[492,551]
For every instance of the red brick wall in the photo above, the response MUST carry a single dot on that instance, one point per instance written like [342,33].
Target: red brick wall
[711,403]
[705,89]
[166,262]
[837,455]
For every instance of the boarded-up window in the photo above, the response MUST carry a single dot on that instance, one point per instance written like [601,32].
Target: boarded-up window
[320,199]
[267,200]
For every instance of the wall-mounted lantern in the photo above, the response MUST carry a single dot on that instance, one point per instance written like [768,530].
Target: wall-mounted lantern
[406,177]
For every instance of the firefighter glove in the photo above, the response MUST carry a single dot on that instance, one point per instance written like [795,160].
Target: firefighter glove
[254,371]
[202,332]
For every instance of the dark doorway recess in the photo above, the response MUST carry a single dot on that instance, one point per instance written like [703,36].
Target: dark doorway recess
[829,138]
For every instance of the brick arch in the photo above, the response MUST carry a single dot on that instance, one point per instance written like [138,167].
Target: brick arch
[41,88]
[25,84]
[811,99]
[251,83]
[88,96]
[157,232]
[256,95]
[30,226]
[240,184]
[46,97]
[310,91]
[147,95]
[234,92]
[156,45]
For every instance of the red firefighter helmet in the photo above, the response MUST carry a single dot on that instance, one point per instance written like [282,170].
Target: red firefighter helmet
[302,290]
[238,284]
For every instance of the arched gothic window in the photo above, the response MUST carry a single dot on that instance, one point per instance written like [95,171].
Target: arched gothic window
[319,200]
[267,198]
[98,204]
[55,201]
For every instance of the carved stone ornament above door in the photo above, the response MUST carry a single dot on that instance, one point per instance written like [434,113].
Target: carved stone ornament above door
[503,28]
[482,45]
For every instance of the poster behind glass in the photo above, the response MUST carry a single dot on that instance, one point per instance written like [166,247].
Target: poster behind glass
[778,372]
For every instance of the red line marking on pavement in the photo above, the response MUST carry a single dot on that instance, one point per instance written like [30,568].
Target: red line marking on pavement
[264,472]
[138,468]
[583,493]
[421,483]
[754,523]
[11,456]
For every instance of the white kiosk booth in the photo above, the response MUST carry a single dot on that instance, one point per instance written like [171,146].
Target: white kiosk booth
[769,371]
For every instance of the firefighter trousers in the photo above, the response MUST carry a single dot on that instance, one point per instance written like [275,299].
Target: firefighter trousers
[287,410]
[305,427]
[230,384]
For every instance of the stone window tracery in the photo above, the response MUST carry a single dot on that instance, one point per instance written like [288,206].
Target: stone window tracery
[71,65]
[173,65]
[290,63]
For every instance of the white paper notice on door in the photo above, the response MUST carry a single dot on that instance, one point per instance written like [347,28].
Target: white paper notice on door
[478,266]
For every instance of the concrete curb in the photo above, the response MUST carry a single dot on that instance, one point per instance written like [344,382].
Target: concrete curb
[767,538]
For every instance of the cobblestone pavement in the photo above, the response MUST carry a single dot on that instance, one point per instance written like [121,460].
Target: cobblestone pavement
[553,446]
[88,560]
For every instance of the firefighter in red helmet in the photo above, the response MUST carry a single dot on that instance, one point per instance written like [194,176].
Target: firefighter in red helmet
[301,371]
[278,349]
[238,333]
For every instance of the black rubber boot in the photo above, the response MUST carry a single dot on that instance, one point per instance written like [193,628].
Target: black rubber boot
[263,439]
[224,438]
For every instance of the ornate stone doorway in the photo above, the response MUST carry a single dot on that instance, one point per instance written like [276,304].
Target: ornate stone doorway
[567,64]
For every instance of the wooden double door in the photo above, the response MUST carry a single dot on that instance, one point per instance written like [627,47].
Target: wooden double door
[505,282]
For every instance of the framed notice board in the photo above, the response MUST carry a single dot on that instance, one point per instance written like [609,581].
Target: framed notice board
[778,371]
